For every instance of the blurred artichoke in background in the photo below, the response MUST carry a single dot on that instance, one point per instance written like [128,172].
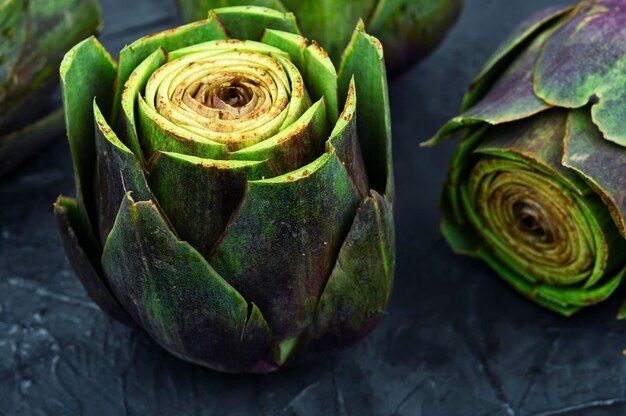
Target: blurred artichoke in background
[34,36]
[537,186]
[238,211]
[408,29]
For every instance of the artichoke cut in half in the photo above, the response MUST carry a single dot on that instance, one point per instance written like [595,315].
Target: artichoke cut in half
[537,186]
[233,189]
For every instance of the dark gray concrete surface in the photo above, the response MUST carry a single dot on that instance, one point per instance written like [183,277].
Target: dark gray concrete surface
[456,341]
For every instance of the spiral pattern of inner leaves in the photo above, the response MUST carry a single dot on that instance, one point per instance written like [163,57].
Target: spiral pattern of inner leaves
[544,231]
[234,93]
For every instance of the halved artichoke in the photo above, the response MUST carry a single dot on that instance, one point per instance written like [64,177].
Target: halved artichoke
[537,187]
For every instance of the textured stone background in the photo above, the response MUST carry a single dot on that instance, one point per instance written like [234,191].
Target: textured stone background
[456,341]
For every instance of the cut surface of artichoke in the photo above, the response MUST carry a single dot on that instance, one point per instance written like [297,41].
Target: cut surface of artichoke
[529,220]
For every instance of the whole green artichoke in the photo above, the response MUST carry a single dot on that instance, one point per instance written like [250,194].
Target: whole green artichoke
[537,186]
[408,29]
[238,211]
[34,36]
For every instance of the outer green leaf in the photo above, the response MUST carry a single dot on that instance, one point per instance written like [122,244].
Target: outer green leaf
[199,195]
[363,59]
[345,140]
[117,172]
[91,67]
[249,22]
[87,267]
[320,78]
[172,292]
[359,286]
[282,243]
[132,55]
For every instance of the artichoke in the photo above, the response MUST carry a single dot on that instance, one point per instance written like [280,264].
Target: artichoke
[408,29]
[34,36]
[536,187]
[228,202]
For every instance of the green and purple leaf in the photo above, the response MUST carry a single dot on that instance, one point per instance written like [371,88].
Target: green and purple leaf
[600,162]
[459,233]
[511,98]
[175,295]
[358,289]
[584,62]
[200,195]
[86,264]
[117,172]
[520,36]
[318,71]
[281,244]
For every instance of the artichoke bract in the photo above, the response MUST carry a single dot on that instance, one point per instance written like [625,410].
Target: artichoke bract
[536,187]
[34,37]
[235,198]
[408,29]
